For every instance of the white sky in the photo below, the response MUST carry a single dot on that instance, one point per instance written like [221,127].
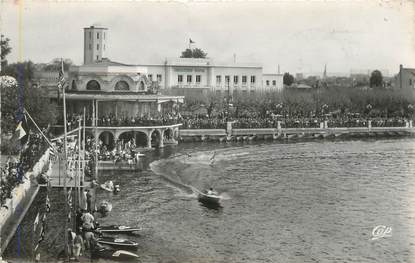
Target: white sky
[300,36]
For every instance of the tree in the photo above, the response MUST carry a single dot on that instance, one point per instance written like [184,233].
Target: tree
[5,50]
[195,53]
[288,79]
[35,101]
[56,64]
[198,53]
[376,79]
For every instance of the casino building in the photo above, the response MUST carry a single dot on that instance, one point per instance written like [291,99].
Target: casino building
[104,87]
[178,74]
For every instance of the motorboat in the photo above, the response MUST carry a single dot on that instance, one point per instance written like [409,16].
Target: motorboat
[117,242]
[107,186]
[114,254]
[105,207]
[209,197]
[117,229]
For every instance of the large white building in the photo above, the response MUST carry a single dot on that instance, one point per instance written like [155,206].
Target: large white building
[187,73]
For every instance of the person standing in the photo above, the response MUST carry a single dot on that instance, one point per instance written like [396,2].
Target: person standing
[88,200]
[78,246]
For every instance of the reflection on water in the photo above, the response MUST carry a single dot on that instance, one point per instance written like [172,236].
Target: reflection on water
[300,202]
[293,202]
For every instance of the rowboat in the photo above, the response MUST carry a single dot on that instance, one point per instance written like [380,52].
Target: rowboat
[114,254]
[117,242]
[117,229]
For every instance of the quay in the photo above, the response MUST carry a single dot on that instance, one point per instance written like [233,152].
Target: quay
[248,134]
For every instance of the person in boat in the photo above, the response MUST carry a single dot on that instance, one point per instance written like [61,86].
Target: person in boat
[211,192]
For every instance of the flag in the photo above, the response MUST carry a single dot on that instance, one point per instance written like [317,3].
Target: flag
[47,204]
[52,153]
[191,41]
[61,78]
[22,131]
[36,222]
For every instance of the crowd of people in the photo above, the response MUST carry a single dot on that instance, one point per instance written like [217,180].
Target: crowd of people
[122,151]
[14,169]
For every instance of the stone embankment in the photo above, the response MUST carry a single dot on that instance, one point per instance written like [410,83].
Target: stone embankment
[233,134]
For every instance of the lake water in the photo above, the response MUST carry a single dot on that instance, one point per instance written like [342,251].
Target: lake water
[315,201]
[310,201]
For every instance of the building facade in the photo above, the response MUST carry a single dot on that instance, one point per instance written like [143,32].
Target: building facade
[187,73]
[95,44]
[405,79]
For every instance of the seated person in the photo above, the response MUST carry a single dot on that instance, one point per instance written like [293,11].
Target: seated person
[211,192]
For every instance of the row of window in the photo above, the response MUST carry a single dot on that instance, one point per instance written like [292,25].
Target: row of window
[158,77]
[235,79]
[189,79]
[90,35]
[274,82]
[90,46]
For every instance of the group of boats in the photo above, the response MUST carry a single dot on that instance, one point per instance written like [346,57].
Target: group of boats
[116,248]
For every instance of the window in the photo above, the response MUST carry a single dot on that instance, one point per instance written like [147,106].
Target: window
[104,35]
[90,34]
[274,83]
[267,82]
[198,78]
[97,57]
[235,79]
[189,78]
[90,46]
[244,79]
[122,85]
[97,35]
[410,82]
[252,79]
[158,78]
[97,46]
[179,78]
[104,46]
[150,77]
[93,85]
[218,79]
[227,79]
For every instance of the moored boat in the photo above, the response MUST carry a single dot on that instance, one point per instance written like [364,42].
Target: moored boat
[117,242]
[114,254]
[117,229]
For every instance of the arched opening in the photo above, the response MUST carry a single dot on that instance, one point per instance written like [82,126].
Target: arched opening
[141,139]
[155,138]
[176,134]
[168,134]
[106,141]
[74,87]
[136,138]
[93,85]
[122,85]
[141,86]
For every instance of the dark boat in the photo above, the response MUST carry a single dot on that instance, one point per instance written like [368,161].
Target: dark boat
[209,198]
[118,242]
[117,229]
[114,254]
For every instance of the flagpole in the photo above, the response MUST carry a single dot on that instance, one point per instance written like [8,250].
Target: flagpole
[79,163]
[44,136]
[83,152]
[65,167]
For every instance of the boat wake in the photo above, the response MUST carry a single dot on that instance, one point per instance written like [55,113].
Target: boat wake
[191,173]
